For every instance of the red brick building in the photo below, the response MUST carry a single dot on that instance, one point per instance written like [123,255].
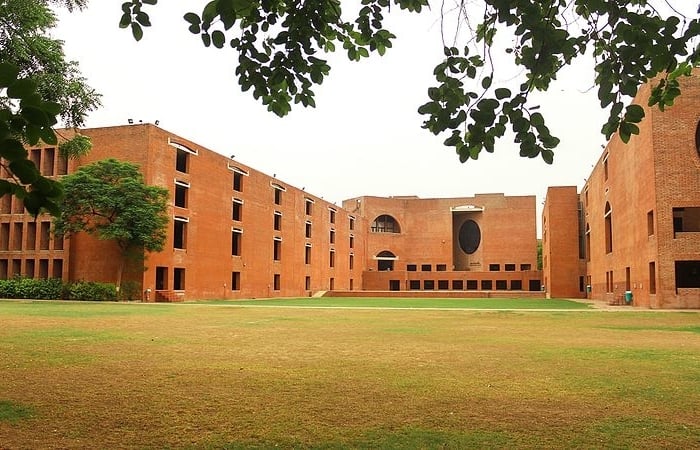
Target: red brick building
[234,233]
[483,243]
[633,233]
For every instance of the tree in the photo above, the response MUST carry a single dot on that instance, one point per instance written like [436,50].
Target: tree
[37,85]
[632,41]
[110,200]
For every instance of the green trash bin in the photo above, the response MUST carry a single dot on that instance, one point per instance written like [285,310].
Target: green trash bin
[628,297]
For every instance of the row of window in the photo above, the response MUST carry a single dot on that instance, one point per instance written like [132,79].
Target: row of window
[277,282]
[470,285]
[443,267]
[27,236]
[31,268]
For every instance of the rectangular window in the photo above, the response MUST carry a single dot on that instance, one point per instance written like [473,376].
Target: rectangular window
[443,285]
[457,285]
[236,241]
[31,236]
[581,284]
[426,268]
[181,189]
[352,241]
[652,277]
[43,268]
[525,267]
[237,210]
[307,254]
[650,223]
[277,221]
[352,223]
[17,241]
[49,158]
[352,261]
[414,285]
[276,282]
[3,269]
[179,279]
[276,249]
[278,196]
[494,267]
[57,243]
[411,267]
[307,283]
[331,284]
[687,274]
[57,268]
[29,268]
[428,285]
[16,267]
[332,215]
[441,267]
[501,285]
[686,220]
[331,237]
[332,258]
[237,181]
[35,156]
[308,206]
[516,285]
[44,235]
[235,281]
[62,166]
[486,285]
[180,233]
[308,230]
[5,236]
[628,281]
[510,267]
[182,161]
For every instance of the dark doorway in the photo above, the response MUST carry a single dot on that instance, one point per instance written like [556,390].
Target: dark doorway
[161,278]
[394,285]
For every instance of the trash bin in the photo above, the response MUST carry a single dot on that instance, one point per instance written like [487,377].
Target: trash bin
[628,297]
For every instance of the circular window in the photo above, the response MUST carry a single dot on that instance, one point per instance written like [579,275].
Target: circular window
[469,237]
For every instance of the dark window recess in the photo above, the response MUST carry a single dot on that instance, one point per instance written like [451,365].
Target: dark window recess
[510,267]
[179,279]
[236,239]
[411,267]
[332,259]
[486,285]
[309,207]
[501,285]
[276,282]
[687,274]
[307,255]
[525,267]
[332,216]
[472,285]
[278,196]
[276,250]
[443,285]
[235,281]
[428,285]
[469,237]
[182,161]
[394,285]
[308,229]
[441,267]
[180,196]
[516,285]
[457,285]
[277,222]
[414,285]
[534,285]
[385,224]
[237,181]
[686,219]
[494,267]
[426,267]
[180,235]
[237,213]
[307,283]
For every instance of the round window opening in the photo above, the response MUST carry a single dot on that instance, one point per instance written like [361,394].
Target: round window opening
[469,237]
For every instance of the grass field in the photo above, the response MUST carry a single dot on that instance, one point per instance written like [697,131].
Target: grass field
[91,375]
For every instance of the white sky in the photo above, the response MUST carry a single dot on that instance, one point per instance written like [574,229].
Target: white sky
[364,136]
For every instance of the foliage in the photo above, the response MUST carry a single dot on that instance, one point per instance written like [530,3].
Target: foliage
[130,290]
[632,42]
[110,199]
[25,42]
[29,122]
[92,291]
[31,288]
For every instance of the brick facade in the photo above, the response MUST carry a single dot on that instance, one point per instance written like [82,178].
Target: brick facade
[640,229]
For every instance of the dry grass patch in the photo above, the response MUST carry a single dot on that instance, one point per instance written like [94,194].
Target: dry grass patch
[203,376]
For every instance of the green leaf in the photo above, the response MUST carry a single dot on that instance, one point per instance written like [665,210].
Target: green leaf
[502,93]
[12,149]
[192,18]
[8,74]
[486,82]
[634,113]
[218,39]
[137,31]
[25,170]
[21,88]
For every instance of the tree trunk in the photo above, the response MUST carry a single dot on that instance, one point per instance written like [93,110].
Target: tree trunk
[120,271]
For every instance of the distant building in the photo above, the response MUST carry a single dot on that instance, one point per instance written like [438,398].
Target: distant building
[633,233]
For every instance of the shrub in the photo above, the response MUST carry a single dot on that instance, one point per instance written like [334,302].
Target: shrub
[130,290]
[92,291]
[30,288]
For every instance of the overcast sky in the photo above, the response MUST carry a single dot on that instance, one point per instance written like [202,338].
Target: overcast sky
[364,136]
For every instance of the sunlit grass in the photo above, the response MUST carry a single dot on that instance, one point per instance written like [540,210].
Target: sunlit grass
[217,376]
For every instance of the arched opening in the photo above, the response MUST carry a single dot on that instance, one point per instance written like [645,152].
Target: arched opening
[469,237]
[608,229]
[385,260]
[385,224]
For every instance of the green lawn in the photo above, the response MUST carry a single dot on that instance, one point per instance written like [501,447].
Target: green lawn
[153,376]
[440,303]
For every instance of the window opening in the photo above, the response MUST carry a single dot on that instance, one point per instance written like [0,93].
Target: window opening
[44,235]
[608,229]
[332,258]
[235,281]
[414,285]
[307,254]
[180,232]
[237,210]
[332,215]
[650,223]
[486,285]
[49,159]
[441,267]
[277,222]
[385,224]
[428,285]
[308,206]
[472,285]
[331,237]
[181,189]
[457,285]
[31,236]
[308,230]
[652,277]
[443,285]
[510,267]
[276,249]
[236,241]
[494,267]
[687,274]
[276,282]
[525,267]
[516,285]
[179,279]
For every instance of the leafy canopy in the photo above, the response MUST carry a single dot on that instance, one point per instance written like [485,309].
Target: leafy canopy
[632,41]
[111,200]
